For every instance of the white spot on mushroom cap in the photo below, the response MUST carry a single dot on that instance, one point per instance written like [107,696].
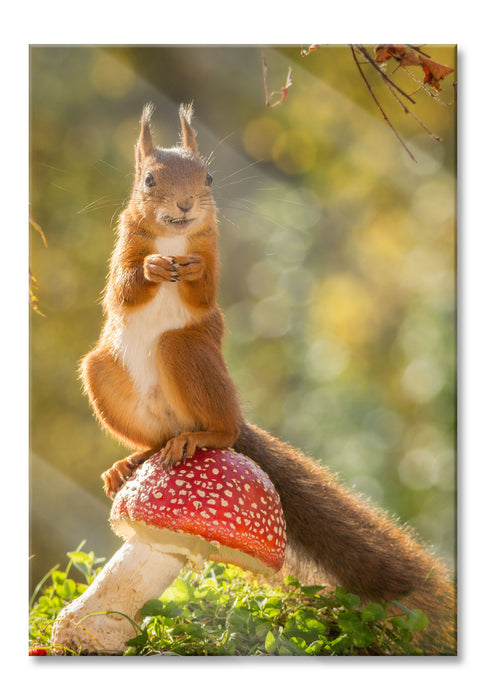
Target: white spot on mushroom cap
[246,489]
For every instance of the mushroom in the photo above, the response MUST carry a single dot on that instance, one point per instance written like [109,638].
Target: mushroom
[217,505]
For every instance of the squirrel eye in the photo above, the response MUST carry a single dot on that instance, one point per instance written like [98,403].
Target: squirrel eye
[149,180]
[209,180]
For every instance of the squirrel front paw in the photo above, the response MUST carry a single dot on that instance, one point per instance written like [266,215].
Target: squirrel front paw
[189,267]
[178,449]
[114,477]
[159,268]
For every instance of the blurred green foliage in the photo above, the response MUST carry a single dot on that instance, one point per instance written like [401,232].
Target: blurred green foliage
[225,611]
[338,266]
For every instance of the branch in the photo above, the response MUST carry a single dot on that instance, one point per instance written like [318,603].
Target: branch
[434,73]
[372,62]
[385,116]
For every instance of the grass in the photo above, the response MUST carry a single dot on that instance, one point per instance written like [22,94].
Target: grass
[223,610]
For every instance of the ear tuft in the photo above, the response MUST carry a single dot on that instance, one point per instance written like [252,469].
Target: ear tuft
[145,143]
[148,110]
[186,113]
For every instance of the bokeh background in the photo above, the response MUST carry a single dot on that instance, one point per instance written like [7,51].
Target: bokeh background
[338,267]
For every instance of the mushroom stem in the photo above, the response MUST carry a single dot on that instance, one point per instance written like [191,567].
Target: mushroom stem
[135,574]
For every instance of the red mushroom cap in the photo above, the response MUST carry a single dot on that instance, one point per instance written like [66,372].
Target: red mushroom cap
[218,495]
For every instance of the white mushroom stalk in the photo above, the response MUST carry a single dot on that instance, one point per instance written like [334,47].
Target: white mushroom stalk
[135,574]
[218,505]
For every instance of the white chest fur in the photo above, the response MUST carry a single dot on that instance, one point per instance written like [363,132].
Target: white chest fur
[138,338]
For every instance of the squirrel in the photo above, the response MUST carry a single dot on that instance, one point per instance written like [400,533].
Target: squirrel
[157,380]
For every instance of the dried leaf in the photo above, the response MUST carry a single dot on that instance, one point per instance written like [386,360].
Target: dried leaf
[434,72]
[283,90]
[306,52]
[406,57]
[382,52]
[400,50]
[410,58]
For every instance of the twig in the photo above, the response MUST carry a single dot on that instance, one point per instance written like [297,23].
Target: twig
[392,87]
[408,111]
[383,113]
[423,86]
[372,62]
[418,50]
[283,90]
[265,68]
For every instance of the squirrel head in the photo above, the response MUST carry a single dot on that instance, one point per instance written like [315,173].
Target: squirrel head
[172,188]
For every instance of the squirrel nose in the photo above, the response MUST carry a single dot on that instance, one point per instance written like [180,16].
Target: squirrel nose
[185,204]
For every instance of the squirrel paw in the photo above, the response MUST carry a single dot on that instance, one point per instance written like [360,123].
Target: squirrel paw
[157,268]
[189,267]
[178,449]
[115,476]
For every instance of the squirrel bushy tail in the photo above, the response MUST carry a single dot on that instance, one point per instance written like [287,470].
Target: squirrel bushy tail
[332,533]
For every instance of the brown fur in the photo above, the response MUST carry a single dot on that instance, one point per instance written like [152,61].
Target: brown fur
[333,535]
[194,402]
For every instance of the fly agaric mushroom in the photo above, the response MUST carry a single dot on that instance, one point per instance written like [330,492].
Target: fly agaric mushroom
[218,505]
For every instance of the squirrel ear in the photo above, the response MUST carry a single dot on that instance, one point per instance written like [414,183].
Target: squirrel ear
[188,133]
[144,144]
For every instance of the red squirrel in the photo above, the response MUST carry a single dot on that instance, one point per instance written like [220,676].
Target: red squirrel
[157,380]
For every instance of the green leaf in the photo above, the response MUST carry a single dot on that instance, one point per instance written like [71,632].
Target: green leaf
[261,630]
[58,577]
[418,621]
[305,625]
[340,645]
[81,557]
[316,627]
[217,569]
[315,647]
[178,591]
[270,643]
[83,561]
[210,590]
[173,609]
[347,600]
[239,617]
[139,641]
[292,581]
[351,624]
[400,622]
[152,608]
[311,590]
[68,589]
[295,645]
[373,612]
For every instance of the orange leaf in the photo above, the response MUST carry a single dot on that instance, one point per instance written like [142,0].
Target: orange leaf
[434,72]
[409,58]
[400,50]
[406,58]
[306,52]
[383,52]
